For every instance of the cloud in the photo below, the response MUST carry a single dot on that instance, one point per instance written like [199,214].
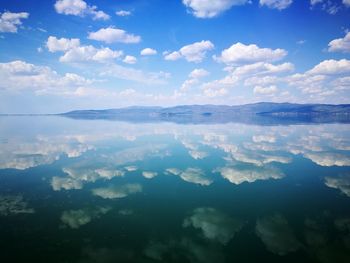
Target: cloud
[346,3]
[214,224]
[123,13]
[329,159]
[327,5]
[130,59]
[209,9]
[148,52]
[341,182]
[195,52]
[79,8]
[13,205]
[114,35]
[9,21]
[149,175]
[271,90]
[74,52]
[276,4]
[119,191]
[54,44]
[250,175]
[19,75]
[77,218]
[276,234]
[340,44]
[196,176]
[59,183]
[198,73]
[331,67]
[240,54]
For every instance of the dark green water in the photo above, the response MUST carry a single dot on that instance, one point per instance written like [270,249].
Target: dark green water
[104,191]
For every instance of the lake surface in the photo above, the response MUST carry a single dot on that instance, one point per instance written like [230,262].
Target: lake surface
[109,191]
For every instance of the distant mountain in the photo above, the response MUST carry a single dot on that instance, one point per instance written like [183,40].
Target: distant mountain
[260,113]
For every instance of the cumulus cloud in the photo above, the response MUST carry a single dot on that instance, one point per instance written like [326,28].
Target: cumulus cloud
[195,52]
[9,21]
[79,8]
[54,44]
[331,67]
[74,52]
[13,205]
[119,191]
[340,44]
[239,176]
[123,13]
[240,54]
[196,176]
[276,234]
[271,90]
[276,4]
[341,182]
[77,218]
[130,59]
[114,35]
[214,224]
[66,183]
[209,9]
[148,52]
[328,158]
[149,175]
[19,75]
[198,73]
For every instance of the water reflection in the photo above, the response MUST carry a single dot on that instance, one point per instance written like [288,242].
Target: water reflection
[175,193]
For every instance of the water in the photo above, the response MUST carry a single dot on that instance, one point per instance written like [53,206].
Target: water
[108,191]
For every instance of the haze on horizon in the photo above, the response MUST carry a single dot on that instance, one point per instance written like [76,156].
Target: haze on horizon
[61,55]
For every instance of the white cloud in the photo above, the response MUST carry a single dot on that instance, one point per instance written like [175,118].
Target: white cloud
[331,67]
[330,6]
[198,73]
[9,21]
[76,53]
[13,205]
[77,218]
[195,52]
[209,9]
[341,182]
[240,53]
[214,224]
[276,4]
[149,175]
[148,52]
[265,90]
[66,183]
[276,234]
[54,44]
[130,59]
[79,8]
[262,68]
[239,176]
[340,44]
[113,192]
[329,159]
[196,176]
[346,3]
[123,13]
[19,75]
[112,35]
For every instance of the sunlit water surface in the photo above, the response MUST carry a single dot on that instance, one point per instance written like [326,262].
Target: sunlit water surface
[108,191]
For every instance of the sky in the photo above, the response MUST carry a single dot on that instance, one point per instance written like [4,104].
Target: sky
[61,55]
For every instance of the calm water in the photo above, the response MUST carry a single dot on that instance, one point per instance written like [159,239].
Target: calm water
[105,191]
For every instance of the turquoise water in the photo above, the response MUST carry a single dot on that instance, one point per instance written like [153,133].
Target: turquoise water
[108,191]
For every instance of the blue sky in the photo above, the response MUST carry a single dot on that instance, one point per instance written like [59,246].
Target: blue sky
[59,55]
